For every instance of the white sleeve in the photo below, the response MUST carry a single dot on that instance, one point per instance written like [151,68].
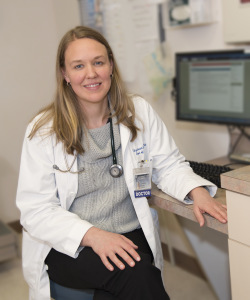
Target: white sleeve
[170,172]
[42,215]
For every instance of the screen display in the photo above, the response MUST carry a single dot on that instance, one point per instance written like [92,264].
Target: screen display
[213,87]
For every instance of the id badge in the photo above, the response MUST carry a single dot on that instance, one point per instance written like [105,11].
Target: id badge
[142,179]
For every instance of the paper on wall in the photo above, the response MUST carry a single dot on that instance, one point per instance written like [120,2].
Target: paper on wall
[119,32]
[144,20]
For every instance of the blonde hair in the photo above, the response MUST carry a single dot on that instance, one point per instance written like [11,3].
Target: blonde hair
[64,111]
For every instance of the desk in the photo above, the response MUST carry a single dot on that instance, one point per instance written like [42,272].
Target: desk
[168,203]
[236,194]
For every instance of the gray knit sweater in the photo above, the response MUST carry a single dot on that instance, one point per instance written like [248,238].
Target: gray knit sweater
[102,200]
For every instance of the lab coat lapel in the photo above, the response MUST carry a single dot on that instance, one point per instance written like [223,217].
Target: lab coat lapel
[67,182]
[125,136]
[125,140]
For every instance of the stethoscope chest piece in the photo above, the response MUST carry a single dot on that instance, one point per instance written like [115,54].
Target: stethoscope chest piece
[116,170]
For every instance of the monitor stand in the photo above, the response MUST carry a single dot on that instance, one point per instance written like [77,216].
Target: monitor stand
[239,144]
[241,157]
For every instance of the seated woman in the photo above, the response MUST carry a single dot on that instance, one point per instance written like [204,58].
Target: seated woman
[87,163]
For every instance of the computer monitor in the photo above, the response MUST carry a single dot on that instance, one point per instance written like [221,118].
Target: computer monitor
[213,87]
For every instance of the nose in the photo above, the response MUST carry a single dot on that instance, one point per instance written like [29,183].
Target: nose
[91,72]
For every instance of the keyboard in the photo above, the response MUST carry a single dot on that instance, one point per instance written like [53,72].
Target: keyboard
[209,171]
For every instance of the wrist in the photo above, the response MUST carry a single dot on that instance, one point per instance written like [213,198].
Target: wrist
[88,237]
[197,192]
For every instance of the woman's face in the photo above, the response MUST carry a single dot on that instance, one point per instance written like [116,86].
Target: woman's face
[88,69]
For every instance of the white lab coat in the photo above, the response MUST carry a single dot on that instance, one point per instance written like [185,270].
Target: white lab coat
[44,194]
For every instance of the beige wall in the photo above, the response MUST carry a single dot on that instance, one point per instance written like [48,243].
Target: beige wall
[29,31]
[196,141]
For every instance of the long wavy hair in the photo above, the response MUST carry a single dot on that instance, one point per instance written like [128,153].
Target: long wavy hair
[64,111]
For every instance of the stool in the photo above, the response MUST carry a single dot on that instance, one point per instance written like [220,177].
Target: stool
[59,292]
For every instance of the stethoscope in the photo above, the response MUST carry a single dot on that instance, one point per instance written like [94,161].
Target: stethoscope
[115,170]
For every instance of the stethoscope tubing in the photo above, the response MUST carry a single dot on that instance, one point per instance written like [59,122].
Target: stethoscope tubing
[115,166]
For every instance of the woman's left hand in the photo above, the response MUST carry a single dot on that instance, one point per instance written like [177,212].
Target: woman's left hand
[204,203]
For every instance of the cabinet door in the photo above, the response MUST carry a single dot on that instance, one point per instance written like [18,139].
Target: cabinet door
[238,208]
[239,256]
[236,21]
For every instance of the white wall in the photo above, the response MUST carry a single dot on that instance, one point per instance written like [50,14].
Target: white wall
[30,31]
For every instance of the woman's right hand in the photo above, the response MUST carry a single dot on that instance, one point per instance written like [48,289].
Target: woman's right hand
[109,245]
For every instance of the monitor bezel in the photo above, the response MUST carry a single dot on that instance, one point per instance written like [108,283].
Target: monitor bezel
[229,53]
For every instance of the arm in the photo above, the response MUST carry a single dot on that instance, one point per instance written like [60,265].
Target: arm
[42,214]
[174,176]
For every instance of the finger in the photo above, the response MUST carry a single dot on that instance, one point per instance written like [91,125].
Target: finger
[219,217]
[127,258]
[131,251]
[106,263]
[219,214]
[222,213]
[116,261]
[131,243]
[223,210]
[130,248]
[199,216]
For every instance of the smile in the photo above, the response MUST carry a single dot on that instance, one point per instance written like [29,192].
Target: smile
[92,85]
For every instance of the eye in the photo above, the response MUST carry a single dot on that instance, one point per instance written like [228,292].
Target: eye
[80,66]
[98,63]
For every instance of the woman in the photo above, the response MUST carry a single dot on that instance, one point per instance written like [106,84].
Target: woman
[86,163]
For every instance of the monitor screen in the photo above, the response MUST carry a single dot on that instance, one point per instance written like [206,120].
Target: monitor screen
[213,87]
